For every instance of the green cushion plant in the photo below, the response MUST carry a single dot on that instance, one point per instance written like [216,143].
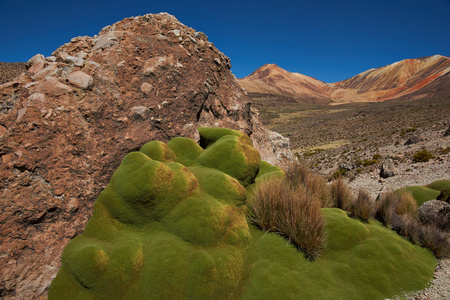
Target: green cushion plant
[172,224]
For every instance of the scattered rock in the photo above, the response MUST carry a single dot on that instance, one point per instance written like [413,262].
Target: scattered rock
[347,167]
[413,140]
[80,79]
[435,212]
[146,88]
[447,132]
[388,168]
[108,39]
[76,61]
[140,112]
[35,59]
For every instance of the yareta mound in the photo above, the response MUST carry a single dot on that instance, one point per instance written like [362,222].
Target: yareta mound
[171,224]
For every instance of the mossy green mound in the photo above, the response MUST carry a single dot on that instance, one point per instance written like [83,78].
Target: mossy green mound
[171,225]
[439,185]
[360,261]
[420,193]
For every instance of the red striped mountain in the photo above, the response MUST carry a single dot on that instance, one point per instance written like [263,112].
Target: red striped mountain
[406,77]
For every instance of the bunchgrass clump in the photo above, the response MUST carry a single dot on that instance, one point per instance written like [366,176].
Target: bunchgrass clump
[385,207]
[293,212]
[406,204]
[429,236]
[436,240]
[341,195]
[363,206]
[299,174]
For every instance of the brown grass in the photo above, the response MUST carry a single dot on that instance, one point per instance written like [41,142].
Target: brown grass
[299,174]
[405,204]
[341,195]
[428,236]
[385,207]
[293,212]
[363,206]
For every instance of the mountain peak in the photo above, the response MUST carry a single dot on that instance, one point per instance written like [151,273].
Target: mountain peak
[378,84]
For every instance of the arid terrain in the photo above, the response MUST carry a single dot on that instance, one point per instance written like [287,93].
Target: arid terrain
[330,136]
[68,120]
[353,139]
[8,71]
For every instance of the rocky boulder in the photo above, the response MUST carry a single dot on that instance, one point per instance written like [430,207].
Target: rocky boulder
[414,139]
[435,212]
[387,168]
[67,122]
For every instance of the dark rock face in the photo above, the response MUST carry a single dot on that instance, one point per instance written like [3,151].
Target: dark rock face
[66,124]
[435,212]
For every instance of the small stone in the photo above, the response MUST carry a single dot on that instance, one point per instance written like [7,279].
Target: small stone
[34,60]
[73,205]
[347,167]
[140,112]
[36,67]
[151,65]
[76,61]
[51,58]
[48,71]
[80,79]
[146,88]
[20,113]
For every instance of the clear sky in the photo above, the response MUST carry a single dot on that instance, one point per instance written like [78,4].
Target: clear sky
[328,40]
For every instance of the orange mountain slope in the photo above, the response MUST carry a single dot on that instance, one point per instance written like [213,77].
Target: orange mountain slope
[393,81]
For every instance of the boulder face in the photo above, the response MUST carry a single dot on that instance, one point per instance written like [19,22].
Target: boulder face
[435,212]
[67,122]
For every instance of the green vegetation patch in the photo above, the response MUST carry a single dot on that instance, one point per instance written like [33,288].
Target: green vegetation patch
[420,193]
[439,185]
[360,261]
[171,224]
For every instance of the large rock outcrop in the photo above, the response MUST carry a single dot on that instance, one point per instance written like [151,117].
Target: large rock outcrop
[67,122]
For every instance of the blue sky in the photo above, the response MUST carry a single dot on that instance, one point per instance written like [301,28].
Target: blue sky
[328,40]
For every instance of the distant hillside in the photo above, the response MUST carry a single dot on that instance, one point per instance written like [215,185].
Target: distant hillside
[399,79]
[9,71]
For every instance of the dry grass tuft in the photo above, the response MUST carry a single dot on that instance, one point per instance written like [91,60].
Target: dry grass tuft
[385,207]
[299,174]
[341,195]
[429,236]
[406,204]
[293,212]
[363,206]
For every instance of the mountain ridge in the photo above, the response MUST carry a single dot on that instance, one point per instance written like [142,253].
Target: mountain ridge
[392,81]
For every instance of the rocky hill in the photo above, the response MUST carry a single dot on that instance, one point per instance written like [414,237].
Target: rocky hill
[407,77]
[273,80]
[67,122]
[9,71]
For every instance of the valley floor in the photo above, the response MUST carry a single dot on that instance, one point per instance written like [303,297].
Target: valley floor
[361,135]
